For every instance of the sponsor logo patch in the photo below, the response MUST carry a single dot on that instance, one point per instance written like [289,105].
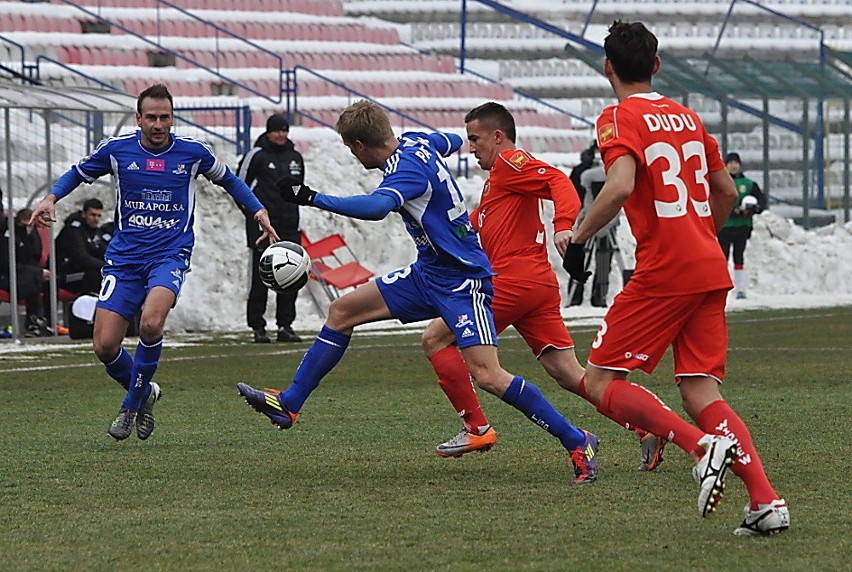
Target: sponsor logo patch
[155,165]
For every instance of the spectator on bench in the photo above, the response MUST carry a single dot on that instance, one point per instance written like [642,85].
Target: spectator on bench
[80,249]
[31,277]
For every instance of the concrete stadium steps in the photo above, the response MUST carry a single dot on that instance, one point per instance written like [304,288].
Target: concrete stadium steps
[199,83]
[453,114]
[524,41]
[817,12]
[40,17]
[406,12]
[359,57]
[254,30]
[403,84]
[365,55]
[102,49]
[318,7]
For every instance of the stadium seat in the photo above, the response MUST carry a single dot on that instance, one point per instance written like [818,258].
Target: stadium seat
[6,297]
[334,265]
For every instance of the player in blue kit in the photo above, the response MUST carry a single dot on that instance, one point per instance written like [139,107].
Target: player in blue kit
[154,174]
[451,277]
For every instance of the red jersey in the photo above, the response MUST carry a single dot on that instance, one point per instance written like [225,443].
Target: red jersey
[669,214]
[509,216]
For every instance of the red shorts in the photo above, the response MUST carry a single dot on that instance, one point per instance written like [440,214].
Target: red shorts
[534,310]
[637,331]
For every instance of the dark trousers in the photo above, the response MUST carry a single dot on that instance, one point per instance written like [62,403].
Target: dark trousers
[81,282]
[30,280]
[603,248]
[736,237]
[285,311]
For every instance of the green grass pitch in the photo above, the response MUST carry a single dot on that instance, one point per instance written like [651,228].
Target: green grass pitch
[355,485]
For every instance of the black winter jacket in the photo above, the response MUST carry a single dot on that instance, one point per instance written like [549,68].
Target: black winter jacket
[27,246]
[79,247]
[263,166]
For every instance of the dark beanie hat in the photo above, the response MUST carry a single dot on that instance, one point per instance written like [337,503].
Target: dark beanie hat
[733,157]
[277,122]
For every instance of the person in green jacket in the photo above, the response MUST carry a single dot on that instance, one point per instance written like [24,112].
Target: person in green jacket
[737,230]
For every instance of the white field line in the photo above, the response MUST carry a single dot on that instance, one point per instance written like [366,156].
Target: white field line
[358,347]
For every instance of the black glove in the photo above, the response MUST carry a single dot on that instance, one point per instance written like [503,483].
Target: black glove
[574,262]
[293,191]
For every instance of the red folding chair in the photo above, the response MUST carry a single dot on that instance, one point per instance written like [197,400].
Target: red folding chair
[334,266]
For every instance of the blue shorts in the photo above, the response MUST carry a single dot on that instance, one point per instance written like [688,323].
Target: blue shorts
[126,285]
[463,303]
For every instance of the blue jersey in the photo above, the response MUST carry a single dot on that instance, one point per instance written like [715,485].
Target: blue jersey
[431,205]
[155,192]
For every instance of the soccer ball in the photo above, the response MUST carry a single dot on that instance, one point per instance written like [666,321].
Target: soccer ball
[284,267]
[748,202]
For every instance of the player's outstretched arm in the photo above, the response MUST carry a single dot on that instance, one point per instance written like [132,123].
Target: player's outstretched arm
[365,207]
[239,190]
[44,213]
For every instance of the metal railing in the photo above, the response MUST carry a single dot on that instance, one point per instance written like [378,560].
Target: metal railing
[177,55]
[290,92]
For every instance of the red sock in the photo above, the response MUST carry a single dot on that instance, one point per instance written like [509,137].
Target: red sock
[581,391]
[641,408]
[719,419]
[455,382]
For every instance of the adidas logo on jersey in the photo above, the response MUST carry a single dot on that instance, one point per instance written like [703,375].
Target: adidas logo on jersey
[133,166]
[467,333]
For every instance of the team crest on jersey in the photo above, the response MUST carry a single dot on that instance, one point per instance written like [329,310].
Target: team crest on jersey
[519,159]
[180,169]
[462,321]
[486,187]
[606,133]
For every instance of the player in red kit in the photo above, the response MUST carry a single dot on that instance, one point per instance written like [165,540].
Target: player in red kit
[665,170]
[510,224]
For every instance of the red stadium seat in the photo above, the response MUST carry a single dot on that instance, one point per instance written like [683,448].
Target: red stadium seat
[334,265]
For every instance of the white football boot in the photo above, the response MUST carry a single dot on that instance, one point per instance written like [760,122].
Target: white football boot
[710,471]
[768,519]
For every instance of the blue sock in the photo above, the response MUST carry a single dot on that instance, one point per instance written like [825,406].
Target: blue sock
[144,365]
[120,368]
[320,359]
[527,398]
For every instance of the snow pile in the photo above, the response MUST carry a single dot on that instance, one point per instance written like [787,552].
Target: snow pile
[787,265]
